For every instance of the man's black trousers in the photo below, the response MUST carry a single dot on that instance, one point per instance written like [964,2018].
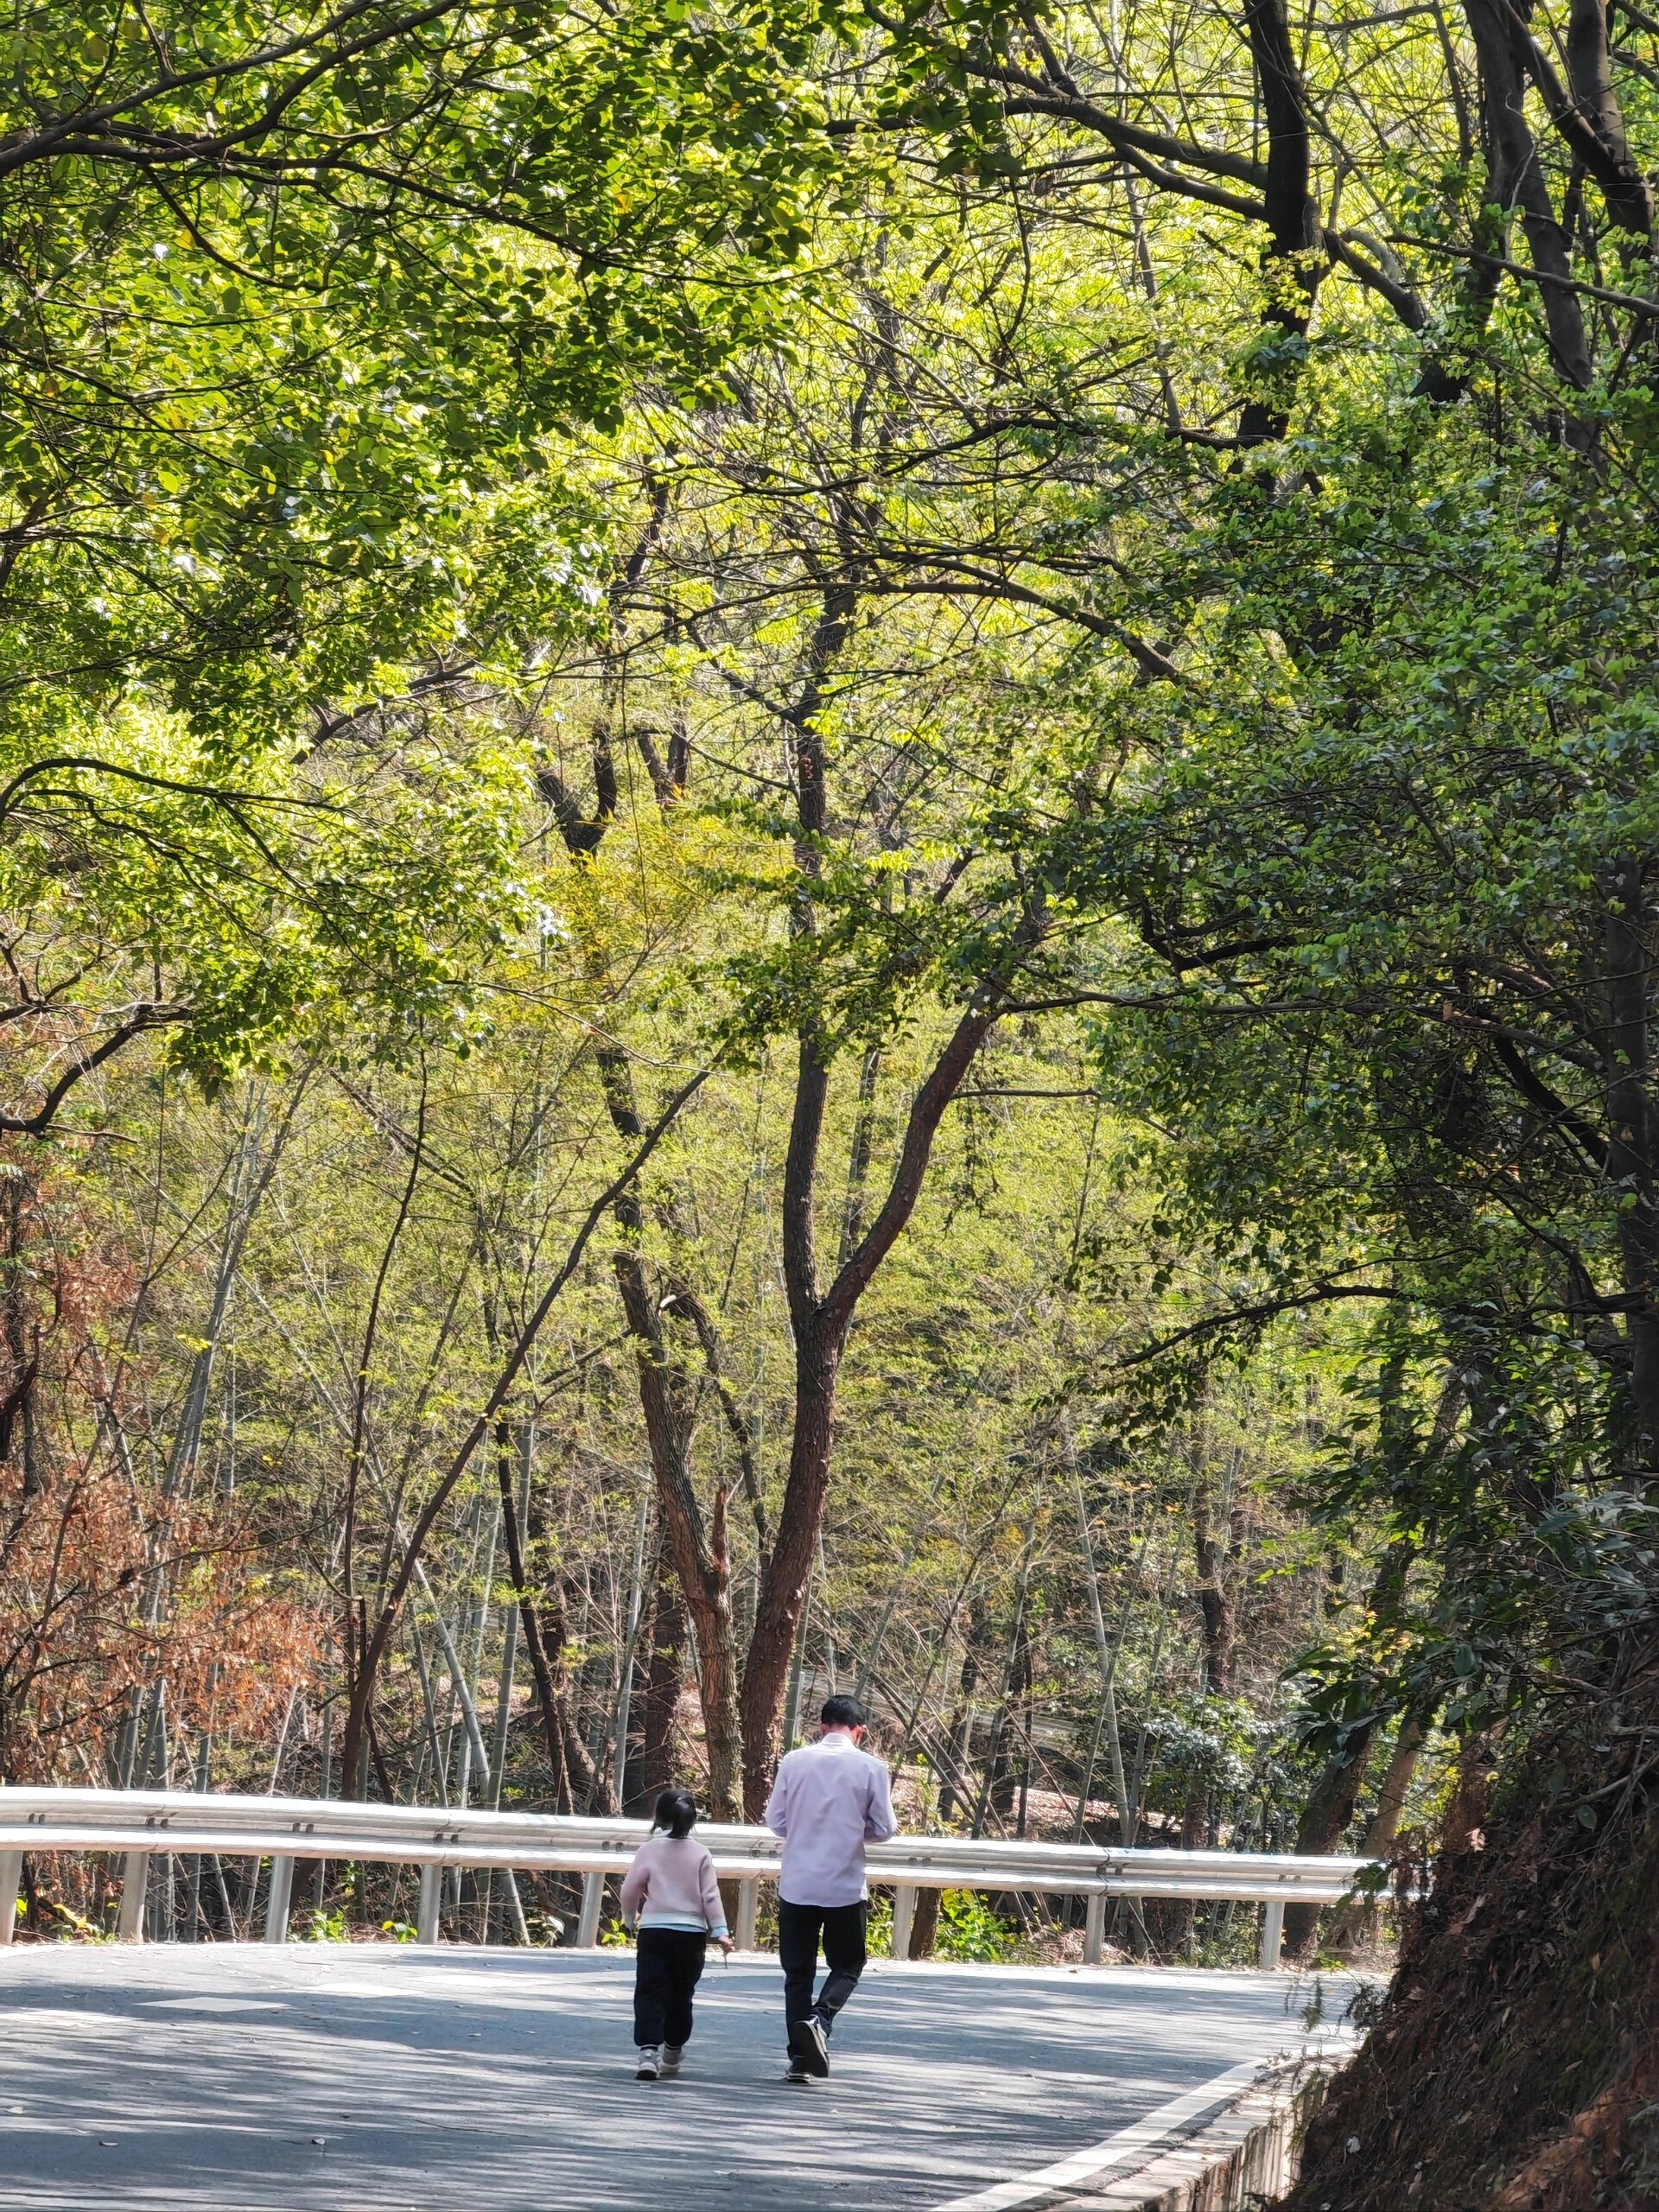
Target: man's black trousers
[800,1927]
[667,1969]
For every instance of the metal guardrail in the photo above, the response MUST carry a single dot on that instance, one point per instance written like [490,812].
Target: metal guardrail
[140,1824]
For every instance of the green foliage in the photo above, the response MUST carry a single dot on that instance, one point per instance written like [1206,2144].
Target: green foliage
[970,1932]
[296,315]
[1393,1084]
[477,591]
[878,1926]
[1225,1751]
[323,301]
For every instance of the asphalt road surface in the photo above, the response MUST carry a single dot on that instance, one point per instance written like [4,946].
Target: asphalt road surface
[369,2079]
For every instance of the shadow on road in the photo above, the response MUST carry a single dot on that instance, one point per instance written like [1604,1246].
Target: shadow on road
[318,2079]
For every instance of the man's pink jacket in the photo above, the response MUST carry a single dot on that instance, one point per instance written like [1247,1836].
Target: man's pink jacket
[830,1800]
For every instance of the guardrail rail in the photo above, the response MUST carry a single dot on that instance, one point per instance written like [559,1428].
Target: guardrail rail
[140,1824]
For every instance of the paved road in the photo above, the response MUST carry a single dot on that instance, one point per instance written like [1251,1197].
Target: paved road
[356,2079]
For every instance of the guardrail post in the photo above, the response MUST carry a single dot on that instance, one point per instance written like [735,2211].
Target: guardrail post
[1272,1932]
[904,1913]
[281,1887]
[748,1913]
[1094,1929]
[426,1919]
[135,1887]
[11,1877]
[593,1898]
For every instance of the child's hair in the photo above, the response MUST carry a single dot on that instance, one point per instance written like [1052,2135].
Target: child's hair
[677,1811]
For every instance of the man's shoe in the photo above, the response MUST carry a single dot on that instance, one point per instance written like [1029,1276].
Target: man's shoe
[673,2054]
[812,2047]
[796,2072]
[650,2064]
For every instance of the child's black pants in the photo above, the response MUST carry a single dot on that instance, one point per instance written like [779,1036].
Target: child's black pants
[666,1971]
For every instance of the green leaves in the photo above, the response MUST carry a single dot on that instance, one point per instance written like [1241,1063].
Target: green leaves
[1374,881]
[330,285]
[292,913]
[297,317]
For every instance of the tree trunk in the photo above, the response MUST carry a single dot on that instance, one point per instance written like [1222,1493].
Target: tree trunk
[960,1727]
[1592,123]
[822,1321]
[556,1727]
[1465,1815]
[701,1558]
[1353,1925]
[376,1644]
[782,1589]
[996,1791]
[1329,1807]
[1293,219]
[1325,1817]
[1396,1782]
[20,1436]
[1217,1621]
[1215,1601]
[924,1928]
[354,1636]
[654,1770]
[1519,179]
[1630,1149]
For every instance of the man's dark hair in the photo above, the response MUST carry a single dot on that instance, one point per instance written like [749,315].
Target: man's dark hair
[844,1712]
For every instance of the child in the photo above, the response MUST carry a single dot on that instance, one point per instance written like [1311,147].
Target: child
[671,1893]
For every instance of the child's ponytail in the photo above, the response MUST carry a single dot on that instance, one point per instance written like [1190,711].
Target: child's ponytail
[677,1812]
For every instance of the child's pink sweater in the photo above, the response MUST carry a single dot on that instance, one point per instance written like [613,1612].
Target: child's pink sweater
[671,1885]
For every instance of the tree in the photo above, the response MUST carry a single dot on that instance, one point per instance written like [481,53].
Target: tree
[1388,971]
[297,305]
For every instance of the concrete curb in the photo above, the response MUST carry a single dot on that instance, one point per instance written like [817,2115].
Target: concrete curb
[1245,2158]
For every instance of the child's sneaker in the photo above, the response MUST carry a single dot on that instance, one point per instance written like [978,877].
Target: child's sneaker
[650,2064]
[673,2054]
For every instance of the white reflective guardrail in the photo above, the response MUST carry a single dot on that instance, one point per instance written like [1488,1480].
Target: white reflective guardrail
[140,1824]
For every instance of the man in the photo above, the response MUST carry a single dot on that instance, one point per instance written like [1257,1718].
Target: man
[830,1800]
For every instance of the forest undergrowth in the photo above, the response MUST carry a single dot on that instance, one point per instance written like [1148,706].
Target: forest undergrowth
[1512,2064]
